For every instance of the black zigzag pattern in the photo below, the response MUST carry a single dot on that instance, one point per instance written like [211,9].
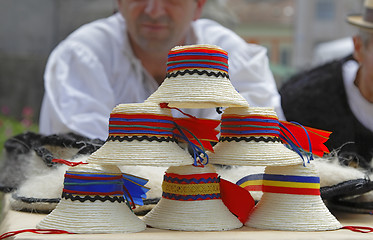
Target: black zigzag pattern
[85,198]
[141,138]
[196,71]
[250,139]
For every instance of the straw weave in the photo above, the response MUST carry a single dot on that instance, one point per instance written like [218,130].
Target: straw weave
[292,212]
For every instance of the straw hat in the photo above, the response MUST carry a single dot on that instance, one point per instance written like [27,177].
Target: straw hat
[197,77]
[291,201]
[141,134]
[250,136]
[102,212]
[364,20]
[191,202]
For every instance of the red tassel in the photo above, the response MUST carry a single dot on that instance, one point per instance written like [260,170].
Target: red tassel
[68,163]
[237,199]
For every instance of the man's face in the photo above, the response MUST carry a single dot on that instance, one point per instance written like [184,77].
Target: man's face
[364,55]
[159,25]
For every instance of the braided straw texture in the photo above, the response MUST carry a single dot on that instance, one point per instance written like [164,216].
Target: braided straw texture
[253,153]
[92,217]
[292,212]
[145,152]
[203,215]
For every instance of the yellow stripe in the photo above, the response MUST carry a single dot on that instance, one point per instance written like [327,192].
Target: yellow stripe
[280,184]
[190,189]
[252,182]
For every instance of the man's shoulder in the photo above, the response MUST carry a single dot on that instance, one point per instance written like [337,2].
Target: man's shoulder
[100,31]
[327,75]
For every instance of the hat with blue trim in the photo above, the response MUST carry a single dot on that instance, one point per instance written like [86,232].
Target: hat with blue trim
[141,134]
[95,200]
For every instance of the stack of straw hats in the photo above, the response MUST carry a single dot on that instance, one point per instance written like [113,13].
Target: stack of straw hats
[291,201]
[92,202]
[191,202]
[250,136]
[141,134]
[197,77]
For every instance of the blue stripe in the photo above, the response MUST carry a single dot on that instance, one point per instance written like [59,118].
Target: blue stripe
[138,131]
[250,131]
[198,54]
[249,120]
[198,66]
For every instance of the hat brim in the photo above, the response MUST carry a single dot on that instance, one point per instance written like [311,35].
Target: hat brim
[358,21]
[204,215]
[289,212]
[198,91]
[140,153]
[92,217]
[253,154]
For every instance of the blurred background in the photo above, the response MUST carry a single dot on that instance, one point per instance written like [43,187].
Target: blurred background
[297,33]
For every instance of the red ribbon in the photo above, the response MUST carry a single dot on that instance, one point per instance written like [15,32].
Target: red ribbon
[317,137]
[358,229]
[236,199]
[38,231]
[203,129]
[68,163]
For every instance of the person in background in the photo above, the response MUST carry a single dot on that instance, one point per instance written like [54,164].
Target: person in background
[338,96]
[122,59]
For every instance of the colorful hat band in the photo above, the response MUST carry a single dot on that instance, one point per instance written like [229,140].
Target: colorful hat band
[87,184]
[104,186]
[202,59]
[191,187]
[140,125]
[286,184]
[246,127]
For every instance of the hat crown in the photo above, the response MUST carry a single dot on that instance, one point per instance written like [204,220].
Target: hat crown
[197,57]
[368,11]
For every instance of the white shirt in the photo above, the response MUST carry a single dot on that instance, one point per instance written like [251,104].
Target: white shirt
[360,107]
[94,69]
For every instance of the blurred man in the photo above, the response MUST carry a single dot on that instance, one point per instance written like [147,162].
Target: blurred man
[122,59]
[338,96]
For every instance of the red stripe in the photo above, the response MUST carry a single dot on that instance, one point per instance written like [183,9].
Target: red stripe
[289,190]
[238,128]
[250,117]
[195,58]
[196,62]
[207,68]
[254,188]
[154,124]
[250,135]
[93,193]
[249,123]
[145,116]
[199,50]
[196,176]
[67,175]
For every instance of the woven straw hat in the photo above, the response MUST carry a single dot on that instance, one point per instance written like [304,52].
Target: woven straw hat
[250,136]
[181,206]
[102,212]
[197,77]
[365,20]
[141,134]
[304,211]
